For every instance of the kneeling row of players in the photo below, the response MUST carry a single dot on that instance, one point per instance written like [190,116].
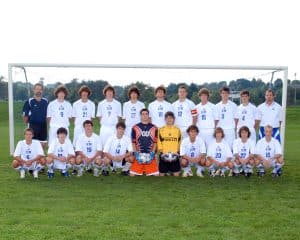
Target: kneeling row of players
[137,156]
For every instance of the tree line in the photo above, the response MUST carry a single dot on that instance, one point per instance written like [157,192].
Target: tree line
[256,87]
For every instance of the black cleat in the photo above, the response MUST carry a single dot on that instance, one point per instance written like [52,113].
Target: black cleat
[30,172]
[105,173]
[125,173]
[90,170]
[74,172]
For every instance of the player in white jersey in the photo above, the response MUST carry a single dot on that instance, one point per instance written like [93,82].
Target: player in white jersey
[83,109]
[226,112]
[61,154]
[192,152]
[131,110]
[28,155]
[159,107]
[184,111]
[118,151]
[88,151]
[268,153]
[243,151]
[219,155]
[59,112]
[206,116]
[109,112]
[270,114]
[247,115]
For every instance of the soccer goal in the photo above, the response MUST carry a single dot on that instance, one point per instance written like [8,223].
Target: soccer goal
[121,75]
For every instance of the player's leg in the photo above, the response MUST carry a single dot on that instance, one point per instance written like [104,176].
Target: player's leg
[200,167]
[79,165]
[52,134]
[174,168]
[259,163]
[185,166]
[229,136]
[18,167]
[136,168]
[151,169]
[276,134]
[163,167]
[106,164]
[237,166]
[277,167]
[261,132]
[50,166]
[126,166]
[97,165]
[210,163]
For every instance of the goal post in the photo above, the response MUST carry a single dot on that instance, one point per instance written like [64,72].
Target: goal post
[11,66]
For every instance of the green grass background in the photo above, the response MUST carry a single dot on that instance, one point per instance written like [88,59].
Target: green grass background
[118,207]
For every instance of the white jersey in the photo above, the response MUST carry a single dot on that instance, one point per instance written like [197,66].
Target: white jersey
[118,146]
[157,111]
[243,149]
[268,149]
[247,115]
[226,114]
[109,112]
[206,115]
[60,113]
[192,149]
[131,113]
[83,111]
[270,114]
[28,152]
[88,145]
[219,151]
[183,113]
[61,150]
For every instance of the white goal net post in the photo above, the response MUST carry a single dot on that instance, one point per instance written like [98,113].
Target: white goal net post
[272,69]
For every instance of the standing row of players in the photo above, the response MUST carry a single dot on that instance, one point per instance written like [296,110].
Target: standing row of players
[206,116]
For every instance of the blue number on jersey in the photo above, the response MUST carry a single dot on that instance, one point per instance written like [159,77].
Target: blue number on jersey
[84,114]
[242,155]
[268,154]
[160,114]
[192,154]
[218,155]
[244,117]
[203,117]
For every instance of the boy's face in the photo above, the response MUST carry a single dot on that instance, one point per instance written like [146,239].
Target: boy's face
[84,95]
[145,116]
[245,98]
[120,131]
[109,94]
[268,132]
[28,136]
[133,95]
[182,93]
[244,134]
[61,137]
[203,98]
[225,95]
[160,94]
[169,120]
[219,135]
[88,128]
[193,134]
[61,95]
[269,96]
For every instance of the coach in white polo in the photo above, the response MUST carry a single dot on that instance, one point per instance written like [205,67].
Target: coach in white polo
[270,113]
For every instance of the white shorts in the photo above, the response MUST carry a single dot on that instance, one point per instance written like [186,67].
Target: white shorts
[59,165]
[229,136]
[128,131]
[105,133]
[53,134]
[117,164]
[253,134]
[207,135]
[32,167]
[78,130]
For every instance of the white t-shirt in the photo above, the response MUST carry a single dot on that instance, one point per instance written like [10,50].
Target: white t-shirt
[206,115]
[61,150]
[247,115]
[109,112]
[270,114]
[118,146]
[192,149]
[226,114]
[157,111]
[183,113]
[219,151]
[268,149]
[28,152]
[59,112]
[131,112]
[88,145]
[83,111]
[243,149]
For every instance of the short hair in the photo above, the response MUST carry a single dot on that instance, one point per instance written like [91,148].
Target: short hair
[87,122]
[28,130]
[133,89]
[244,128]
[270,91]
[204,91]
[144,110]
[109,88]
[121,124]
[61,88]
[84,88]
[62,130]
[192,128]
[244,92]
[183,87]
[38,85]
[219,130]
[225,89]
[169,114]
[162,88]
[268,127]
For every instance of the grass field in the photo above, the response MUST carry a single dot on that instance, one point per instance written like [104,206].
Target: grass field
[118,207]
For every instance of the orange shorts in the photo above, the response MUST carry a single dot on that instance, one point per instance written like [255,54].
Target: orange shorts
[149,169]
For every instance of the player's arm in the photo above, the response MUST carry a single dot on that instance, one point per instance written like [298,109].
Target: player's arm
[111,157]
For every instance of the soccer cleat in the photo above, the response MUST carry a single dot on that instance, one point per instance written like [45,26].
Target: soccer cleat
[222,174]
[212,173]
[89,170]
[80,173]
[279,172]
[190,173]
[35,174]
[74,172]
[22,173]
[105,173]
[50,175]
[261,174]
[125,173]
[185,174]
[274,175]
[230,174]
[200,174]
[96,172]
[65,174]
[217,173]
[113,171]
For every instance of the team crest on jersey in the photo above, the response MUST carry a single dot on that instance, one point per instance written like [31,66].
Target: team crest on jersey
[61,108]
[244,111]
[203,111]
[268,148]
[160,108]
[145,133]
[223,109]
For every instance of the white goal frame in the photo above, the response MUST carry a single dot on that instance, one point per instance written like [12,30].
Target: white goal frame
[284,69]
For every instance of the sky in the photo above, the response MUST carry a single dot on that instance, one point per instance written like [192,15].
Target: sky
[149,32]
